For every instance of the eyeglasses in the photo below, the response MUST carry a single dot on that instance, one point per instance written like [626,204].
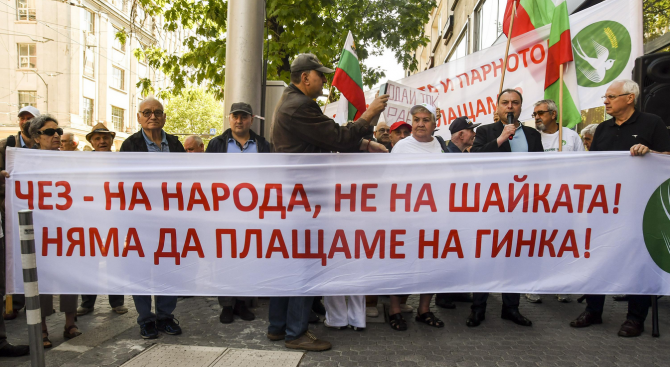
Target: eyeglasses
[383,130]
[613,97]
[51,132]
[157,113]
[539,113]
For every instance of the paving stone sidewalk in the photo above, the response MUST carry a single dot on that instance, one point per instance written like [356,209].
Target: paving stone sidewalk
[111,340]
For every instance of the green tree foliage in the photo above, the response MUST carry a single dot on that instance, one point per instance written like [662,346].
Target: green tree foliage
[194,111]
[293,26]
[656,18]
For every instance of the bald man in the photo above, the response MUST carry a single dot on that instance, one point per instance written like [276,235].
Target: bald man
[193,144]
[383,135]
[69,142]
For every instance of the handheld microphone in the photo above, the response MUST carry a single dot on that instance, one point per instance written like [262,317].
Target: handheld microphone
[510,120]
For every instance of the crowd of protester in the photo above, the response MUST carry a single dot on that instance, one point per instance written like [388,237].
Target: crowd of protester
[300,126]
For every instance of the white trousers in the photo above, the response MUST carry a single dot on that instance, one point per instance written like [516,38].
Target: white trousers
[338,313]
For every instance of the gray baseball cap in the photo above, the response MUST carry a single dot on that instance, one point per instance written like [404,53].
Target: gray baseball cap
[31,110]
[309,62]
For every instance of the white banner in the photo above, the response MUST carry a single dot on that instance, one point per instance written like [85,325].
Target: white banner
[238,224]
[606,38]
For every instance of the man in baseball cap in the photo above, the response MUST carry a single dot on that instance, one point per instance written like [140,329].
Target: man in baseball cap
[239,138]
[462,135]
[400,130]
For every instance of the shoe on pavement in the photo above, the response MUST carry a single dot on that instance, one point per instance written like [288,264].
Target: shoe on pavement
[242,311]
[475,318]
[14,350]
[356,328]
[276,337]
[226,316]
[148,330]
[406,308]
[631,328]
[81,311]
[169,326]
[11,316]
[444,303]
[371,312]
[515,316]
[586,319]
[325,322]
[308,341]
[120,309]
[533,298]
[564,298]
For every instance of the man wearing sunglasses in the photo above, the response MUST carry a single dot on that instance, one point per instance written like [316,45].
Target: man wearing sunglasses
[639,133]
[545,115]
[152,138]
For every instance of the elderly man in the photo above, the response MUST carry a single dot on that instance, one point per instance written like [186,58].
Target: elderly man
[545,115]
[101,140]
[493,138]
[194,144]
[399,130]
[21,139]
[421,141]
[152,138]
[639,133]
[301,127]
[587,135]
[382,135]
[462,135]
[69,142]
[239,138]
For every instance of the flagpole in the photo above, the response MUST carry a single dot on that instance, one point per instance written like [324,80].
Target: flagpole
[329,94]
[560,108]
[509,39]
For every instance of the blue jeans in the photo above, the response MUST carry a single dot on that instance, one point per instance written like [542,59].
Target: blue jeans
[165,305]
[289,315]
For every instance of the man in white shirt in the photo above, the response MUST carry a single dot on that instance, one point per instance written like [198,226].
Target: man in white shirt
[545,115]
[423,126]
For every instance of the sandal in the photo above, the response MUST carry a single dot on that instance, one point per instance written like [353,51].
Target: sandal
[67,334]
[397,322]
[45,340]
[429,319]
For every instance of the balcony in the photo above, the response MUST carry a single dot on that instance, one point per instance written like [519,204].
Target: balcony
[448,29]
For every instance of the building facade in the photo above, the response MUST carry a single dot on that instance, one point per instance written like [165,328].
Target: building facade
[65,59]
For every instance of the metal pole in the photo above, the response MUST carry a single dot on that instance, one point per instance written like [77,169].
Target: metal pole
[244,50]
[33,313]
[47,87]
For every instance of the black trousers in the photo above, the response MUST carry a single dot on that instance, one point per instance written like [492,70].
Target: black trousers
[510,301]
[88,301]
[638,306]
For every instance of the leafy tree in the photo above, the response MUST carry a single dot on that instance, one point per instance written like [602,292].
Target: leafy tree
[656,18]
[293,27]
[194,111]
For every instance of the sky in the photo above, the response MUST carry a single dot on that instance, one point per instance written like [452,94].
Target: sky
[388,62]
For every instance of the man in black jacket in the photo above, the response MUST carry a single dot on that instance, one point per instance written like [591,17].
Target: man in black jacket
[152,138]
[239,138]
[493,138]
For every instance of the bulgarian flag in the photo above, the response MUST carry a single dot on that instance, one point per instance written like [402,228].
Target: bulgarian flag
[560,52]
[530,14]
[349,82]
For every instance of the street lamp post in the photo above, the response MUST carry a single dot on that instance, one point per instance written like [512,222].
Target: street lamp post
[46,85]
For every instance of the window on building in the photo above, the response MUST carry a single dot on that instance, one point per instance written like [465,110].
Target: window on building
[87,111]
[26,9]
[117,43]
[117,118]
[27,98]
[27,56]
[460,48]
[118,3]
[489,18]
[89,62]
[89,21]
[118,78]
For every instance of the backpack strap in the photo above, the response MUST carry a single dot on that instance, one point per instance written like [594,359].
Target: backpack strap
[443,144]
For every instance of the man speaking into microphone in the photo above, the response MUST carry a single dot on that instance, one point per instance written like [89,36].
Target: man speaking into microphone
[506,135]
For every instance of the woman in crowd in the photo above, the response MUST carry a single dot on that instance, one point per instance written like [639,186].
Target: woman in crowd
[46,133]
